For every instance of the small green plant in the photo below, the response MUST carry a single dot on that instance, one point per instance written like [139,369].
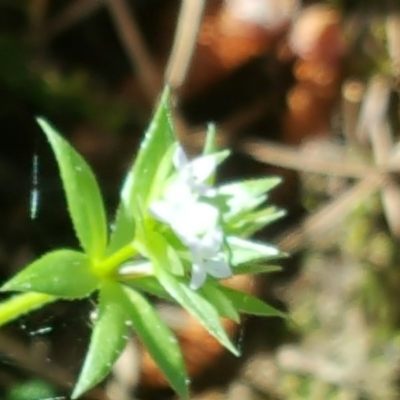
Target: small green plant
[176,235]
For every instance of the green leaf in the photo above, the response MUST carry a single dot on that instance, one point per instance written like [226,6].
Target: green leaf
[124,227]
[148,284]
[221,303]
[253,269]
[158,138]
[247,304]
[210,145]
[21,304]
[245,251]
[62,273]
[159,341]
[246,195]
[138,183]
[199,307]
[174,262]
[164,171]
[83,195]
[192,301]
[108,340]
[252,222]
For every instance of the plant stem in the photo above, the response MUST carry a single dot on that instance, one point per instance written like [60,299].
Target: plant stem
[110,264]
[22,304]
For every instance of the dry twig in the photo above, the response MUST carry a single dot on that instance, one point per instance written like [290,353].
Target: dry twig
[374,123]
[131,39]
[74,13]
[190,16]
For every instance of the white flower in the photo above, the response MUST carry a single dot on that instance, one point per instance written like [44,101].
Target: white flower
[194,222]
[208,258]
[196,225]
[193,174]
[188,219]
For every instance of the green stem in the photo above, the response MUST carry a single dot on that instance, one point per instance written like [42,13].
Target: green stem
[110,264]
[22,304]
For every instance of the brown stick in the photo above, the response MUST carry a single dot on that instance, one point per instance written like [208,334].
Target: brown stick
[131,39]
[74,13]
[190,16]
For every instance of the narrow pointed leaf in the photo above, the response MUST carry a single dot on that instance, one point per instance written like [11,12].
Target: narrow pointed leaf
[210,144]
[254,269]
[245,251]
[192,301]
[108,339]
[149,285]
[124,226]
[158,138]
[164,171]
[83,195]
[174,262]
[251,223]
[214,159]
[210,147]
[159,340]
[21,304]
[62,273]
[134,196]
[220,301]
[246,195]
[199,307]
[247,304]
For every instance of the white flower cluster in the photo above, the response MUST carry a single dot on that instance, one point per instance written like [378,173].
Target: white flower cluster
[196,223]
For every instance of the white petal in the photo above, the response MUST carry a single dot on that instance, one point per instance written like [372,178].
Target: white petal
[210,244]
[200,169]
[218,268]
[179,191]
[163,211]
[179,158]
[198,274]
[195,217]
[205,216]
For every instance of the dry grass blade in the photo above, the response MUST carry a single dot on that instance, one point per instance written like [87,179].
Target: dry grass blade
[190,16]
[299,159]
[329,216]
[393,40]
[374,108]
[74,13]
[131,39]
[352,94]
[374,122]
[372,125]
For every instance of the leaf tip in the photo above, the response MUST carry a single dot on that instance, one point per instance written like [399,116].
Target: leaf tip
[42,122]
[166,93]
[5,288]
[12,286]
[236,352]
[44,125]
[82,386]
[77,392]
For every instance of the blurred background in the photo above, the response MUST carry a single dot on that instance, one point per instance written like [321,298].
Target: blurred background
[307,90]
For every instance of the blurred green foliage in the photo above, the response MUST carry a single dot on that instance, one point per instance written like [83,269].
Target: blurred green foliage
[34,389]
